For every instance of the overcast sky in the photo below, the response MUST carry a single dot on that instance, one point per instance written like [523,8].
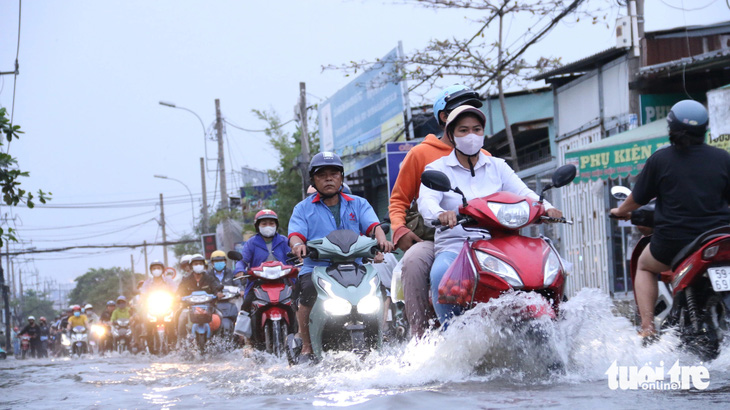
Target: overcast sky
[92,73]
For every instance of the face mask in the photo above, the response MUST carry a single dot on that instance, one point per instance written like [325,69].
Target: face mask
[156,272]
[198,268]
[469,144]
[219,266]
[121,305]
[268,231]
[77,314]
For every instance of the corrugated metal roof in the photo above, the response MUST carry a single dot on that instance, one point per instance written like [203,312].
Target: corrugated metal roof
[585,64]
[691,31]
[687,62]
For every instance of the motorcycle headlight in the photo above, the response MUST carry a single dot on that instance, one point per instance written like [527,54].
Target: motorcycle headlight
[335,305]
[552,268]
[274,272]
[499,268]
[98,330]
[65,341]
[370,303]
[159,303]
[511,215]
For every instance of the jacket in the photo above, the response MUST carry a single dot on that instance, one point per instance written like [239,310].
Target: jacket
[227,277]
[408,183]
[255,252]
[206,283]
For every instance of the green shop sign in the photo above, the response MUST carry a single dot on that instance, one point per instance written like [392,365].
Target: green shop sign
[656,106]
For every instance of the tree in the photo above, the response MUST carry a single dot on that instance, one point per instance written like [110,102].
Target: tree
[479,62]
[190,248]
[97,286]
[13,195]
[35,304]
[286,177]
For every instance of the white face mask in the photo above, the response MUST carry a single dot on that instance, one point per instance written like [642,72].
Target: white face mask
[268,231]
[156,272]
[198,268]
[469,144]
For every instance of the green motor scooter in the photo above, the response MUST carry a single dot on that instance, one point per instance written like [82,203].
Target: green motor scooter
[348,312]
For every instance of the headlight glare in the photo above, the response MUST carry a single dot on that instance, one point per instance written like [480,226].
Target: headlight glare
[369,304]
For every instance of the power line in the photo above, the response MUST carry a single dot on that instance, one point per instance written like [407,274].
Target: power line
[95,235]
[132,246]
[692,9]
[85,225]
[264,130]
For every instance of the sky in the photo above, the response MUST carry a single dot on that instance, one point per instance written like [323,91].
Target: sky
[92,74]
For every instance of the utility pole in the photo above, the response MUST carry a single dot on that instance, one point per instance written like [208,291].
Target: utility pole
[131,259]
[204,228]
[221,161]
[146,264]
[6,301]
[164,234]
[304,137]
[635,9]
[12,274]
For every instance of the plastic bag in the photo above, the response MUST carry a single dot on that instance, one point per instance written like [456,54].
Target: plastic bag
[396,283]
[243,325]
[457,284]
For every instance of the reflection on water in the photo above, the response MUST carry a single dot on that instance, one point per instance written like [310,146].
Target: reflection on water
[484,357]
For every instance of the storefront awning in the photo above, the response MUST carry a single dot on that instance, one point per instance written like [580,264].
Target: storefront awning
[621,155]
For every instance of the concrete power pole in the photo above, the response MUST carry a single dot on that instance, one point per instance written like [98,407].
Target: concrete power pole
[164,234]
[304,137]
[221,161]
[205,197]
[146,264]
[635,10]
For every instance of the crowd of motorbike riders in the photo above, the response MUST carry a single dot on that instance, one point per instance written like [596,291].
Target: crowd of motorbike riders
[427,252]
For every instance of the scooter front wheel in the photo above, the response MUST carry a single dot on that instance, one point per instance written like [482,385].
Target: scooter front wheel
[200,339]
[280,330]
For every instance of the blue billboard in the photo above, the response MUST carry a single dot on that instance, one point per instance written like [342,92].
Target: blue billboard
[395,153]
[359,119]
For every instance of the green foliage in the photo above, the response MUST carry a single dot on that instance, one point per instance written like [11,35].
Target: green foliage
[36,304]
[13,195]
[286,176]
[97,286]
[187,248]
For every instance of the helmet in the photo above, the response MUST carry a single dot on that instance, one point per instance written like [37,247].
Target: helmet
[265,214]
[346,189]
[31,317]
[185,259]
[121,298]
[452,97]
[197,257]
[325,159]
[218,255]
[88,306]
[111,303]
[75,308]
[43,318]
[688,115]
[157,263]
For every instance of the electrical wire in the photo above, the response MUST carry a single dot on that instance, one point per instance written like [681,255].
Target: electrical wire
[24,228]
[693,9]
[264,130]
[15,75]
[95,235]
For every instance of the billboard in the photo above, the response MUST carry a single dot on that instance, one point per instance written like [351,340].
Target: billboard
[395,154]
[359,119]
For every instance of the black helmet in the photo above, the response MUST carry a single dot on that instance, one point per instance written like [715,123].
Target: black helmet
[690,116]
[325,159]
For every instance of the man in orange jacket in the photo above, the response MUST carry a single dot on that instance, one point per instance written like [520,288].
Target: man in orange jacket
[419,254]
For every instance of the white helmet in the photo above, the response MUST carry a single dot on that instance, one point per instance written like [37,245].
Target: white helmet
[88,306]
[31,317]
[185,259]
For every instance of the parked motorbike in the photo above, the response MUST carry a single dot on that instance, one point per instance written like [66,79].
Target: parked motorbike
[694,295]
[24,345]
[348,312]
[201,308]
[79,341]
[121,334]
[272,318]
[160,322]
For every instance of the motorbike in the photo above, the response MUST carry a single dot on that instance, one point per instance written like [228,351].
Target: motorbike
[201,311]
[24,345]
[121,335]
[3,354]
[79,340]
[509,261]
[160,322]
[348,311]
[227,308]
[272,319]
[98,334]
[694,295]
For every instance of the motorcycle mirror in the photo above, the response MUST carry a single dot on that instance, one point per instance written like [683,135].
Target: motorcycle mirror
[386,227]
[436,180]
[620,192]
[564,175]
[235,255]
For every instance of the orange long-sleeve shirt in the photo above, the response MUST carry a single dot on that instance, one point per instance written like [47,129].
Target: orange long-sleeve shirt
[408,183]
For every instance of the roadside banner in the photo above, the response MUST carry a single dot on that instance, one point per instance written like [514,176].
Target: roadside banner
[395,152]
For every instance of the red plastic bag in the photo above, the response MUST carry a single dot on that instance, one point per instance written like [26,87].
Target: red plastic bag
[457,284]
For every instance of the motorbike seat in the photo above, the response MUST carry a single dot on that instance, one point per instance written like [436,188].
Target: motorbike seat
[697,244]
[343,239]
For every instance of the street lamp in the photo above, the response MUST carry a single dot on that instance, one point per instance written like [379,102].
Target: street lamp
[205,133]
[192,203]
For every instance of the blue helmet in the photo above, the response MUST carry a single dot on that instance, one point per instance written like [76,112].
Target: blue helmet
[452,97]
[690,116]
[325,159]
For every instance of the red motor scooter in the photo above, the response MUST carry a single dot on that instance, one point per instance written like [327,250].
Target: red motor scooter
[694,296]
[272,317]
[510,261]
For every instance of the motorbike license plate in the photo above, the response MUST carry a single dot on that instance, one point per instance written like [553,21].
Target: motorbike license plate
[720,278]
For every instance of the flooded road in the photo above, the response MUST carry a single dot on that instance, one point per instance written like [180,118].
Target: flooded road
[481,361]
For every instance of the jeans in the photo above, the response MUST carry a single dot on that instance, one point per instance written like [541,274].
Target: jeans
[441,264]
[417,263]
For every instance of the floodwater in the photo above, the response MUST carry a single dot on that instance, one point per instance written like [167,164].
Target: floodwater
[481,361]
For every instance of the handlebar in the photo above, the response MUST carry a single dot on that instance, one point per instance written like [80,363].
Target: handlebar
[557,220]
[460,220]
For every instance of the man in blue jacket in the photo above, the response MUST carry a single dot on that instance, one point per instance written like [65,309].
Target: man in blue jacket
[267,245]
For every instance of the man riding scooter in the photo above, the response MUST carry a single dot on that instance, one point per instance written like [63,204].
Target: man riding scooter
[156,296]
[223,276]
[198,281]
